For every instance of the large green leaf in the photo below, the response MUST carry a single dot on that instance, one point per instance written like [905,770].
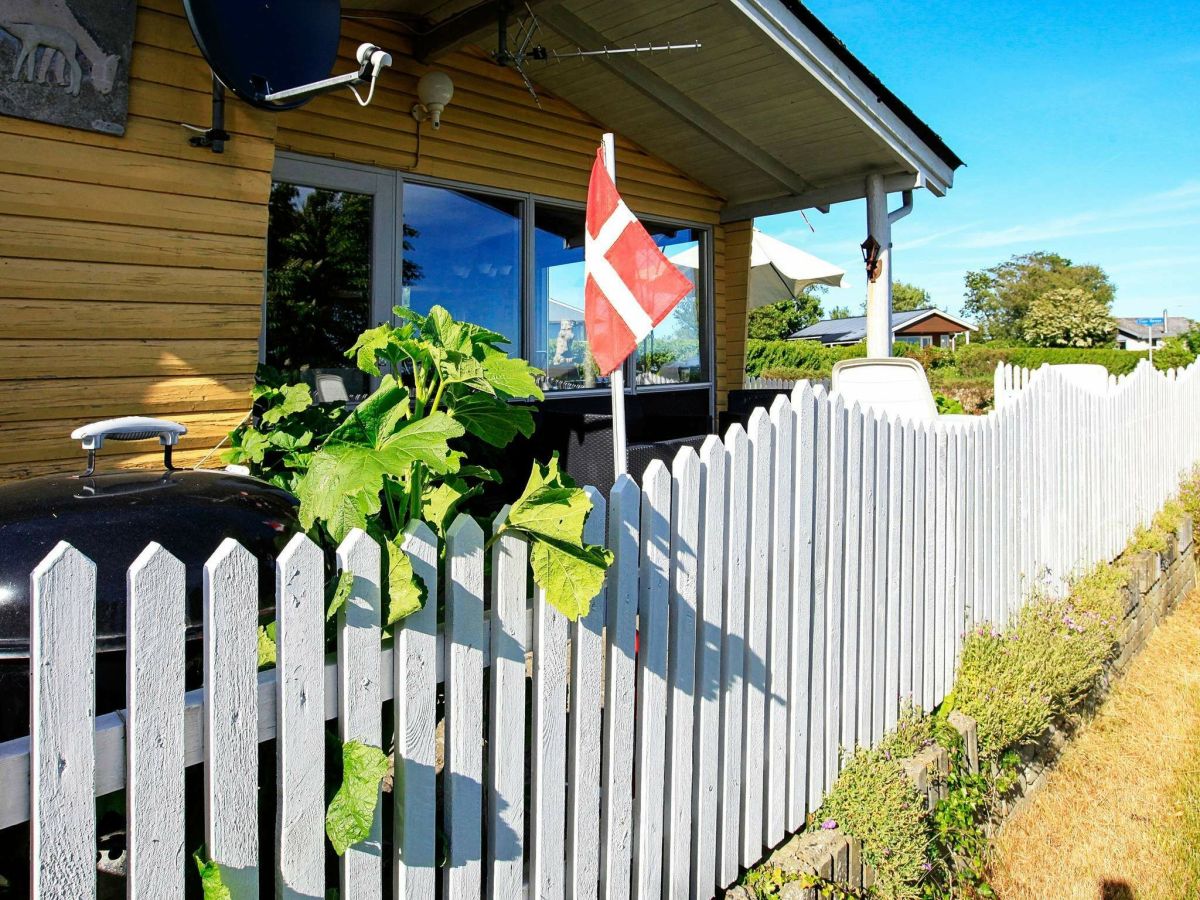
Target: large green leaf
[341,593]
[512,376]
[293,398]
[369,345]
[406,592]
[375,419]
[424,441]
[552,512]
[267,651]
[341,488]
[551,506]
[571,575]
[210,878]
[352,809]
[492,419]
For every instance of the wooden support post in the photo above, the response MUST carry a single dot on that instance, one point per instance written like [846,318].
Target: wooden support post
[879,290]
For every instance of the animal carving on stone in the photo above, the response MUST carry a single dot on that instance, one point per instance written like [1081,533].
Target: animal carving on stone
[54,40]
[48,23]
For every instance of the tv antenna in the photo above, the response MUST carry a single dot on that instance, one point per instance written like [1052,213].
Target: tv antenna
[523,49]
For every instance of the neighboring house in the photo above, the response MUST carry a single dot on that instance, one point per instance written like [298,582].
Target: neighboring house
[924,327]
[134,268]
[1132,336]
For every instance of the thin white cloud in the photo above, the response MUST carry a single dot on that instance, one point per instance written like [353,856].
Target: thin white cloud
[1178,207]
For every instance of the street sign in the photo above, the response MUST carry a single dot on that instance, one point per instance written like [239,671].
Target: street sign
[1150,323]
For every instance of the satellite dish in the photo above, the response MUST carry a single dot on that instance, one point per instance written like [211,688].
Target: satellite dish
[277,54]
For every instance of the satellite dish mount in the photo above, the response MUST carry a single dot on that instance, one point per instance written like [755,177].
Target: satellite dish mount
[274,56]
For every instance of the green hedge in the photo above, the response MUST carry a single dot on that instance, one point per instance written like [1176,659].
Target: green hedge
[807,355]
[982,359]
[973,361]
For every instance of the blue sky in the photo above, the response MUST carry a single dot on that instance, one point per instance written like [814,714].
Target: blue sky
[1080,127]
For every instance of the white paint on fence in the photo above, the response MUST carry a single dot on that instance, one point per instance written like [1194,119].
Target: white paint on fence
[463,772]
[652,680]
[773,603]
[709,617]
[156,619]
[300,746]
[359,694]
[620,676]
[583,738]
[414,794]
[62,684]
[756,675]
[506,740]
[231,716]
[733,654]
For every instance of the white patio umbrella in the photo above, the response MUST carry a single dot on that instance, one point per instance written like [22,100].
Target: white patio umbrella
[778,271]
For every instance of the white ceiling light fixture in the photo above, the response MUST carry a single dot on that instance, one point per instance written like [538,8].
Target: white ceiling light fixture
[434,92]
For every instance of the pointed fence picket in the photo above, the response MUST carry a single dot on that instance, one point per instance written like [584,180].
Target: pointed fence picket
[774,600]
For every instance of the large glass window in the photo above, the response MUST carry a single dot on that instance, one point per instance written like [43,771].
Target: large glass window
[671,353]
[462,250]
[560,347]
[318,281]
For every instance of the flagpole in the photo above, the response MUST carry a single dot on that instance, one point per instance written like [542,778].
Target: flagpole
[616,379]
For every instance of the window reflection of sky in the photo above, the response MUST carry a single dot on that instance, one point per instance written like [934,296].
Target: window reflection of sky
[467,249]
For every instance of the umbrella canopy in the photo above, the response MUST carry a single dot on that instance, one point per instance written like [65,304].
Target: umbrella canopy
[778,271]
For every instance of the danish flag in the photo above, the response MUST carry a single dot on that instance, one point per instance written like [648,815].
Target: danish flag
[631,286]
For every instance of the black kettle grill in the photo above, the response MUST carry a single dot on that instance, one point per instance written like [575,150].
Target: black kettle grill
[110,518]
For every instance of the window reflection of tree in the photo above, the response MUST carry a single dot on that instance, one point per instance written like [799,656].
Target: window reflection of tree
[318,275]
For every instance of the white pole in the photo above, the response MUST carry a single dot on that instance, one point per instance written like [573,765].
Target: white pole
[879,291]
[1150,341]
[616,380]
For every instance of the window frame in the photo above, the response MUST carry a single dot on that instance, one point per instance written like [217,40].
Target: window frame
[386,186]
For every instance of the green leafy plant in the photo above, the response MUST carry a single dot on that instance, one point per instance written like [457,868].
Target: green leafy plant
[875,802]
[947,405]
[277,443]
[352,810]
[958,846]
[211,883]
[401,456]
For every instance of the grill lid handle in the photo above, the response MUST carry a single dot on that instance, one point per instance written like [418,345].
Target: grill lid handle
[128,428]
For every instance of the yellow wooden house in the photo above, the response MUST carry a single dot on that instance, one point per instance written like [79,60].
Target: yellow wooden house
[143,275]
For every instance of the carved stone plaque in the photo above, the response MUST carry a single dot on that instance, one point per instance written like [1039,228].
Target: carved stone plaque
[67,61]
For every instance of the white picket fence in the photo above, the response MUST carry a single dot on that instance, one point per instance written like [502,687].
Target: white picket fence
[775,597]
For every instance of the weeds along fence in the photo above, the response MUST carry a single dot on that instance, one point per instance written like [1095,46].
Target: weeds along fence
[775,597]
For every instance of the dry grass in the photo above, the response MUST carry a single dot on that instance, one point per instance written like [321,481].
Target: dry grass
[1120,815]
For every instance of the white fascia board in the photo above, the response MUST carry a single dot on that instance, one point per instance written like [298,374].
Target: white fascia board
[839,192]
[788,33]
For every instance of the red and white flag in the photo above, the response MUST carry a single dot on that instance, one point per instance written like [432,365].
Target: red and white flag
[631,286]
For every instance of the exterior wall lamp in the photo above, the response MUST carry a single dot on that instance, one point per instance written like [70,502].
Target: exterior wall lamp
[434,92]
[870,252]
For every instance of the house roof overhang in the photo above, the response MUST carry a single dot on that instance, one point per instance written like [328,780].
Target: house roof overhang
[773,113]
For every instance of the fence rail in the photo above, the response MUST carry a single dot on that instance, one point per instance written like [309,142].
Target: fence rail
[774,597]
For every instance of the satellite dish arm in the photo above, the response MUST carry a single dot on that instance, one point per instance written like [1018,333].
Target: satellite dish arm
[371,60]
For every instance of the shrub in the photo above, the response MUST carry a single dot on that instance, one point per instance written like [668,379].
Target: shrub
[981,359]
[875,802]
[947,404]
[1013,683]
[812,355]
[1189,495]
[787,374]
[1173,354]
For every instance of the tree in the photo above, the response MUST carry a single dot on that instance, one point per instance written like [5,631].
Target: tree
[779,321]
[1000,297]
[907,297]
[1068,317]
[839,312]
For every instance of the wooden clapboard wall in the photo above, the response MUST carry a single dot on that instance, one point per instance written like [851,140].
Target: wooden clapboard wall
[131,268]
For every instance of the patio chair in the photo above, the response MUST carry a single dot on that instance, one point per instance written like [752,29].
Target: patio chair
[896,385]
